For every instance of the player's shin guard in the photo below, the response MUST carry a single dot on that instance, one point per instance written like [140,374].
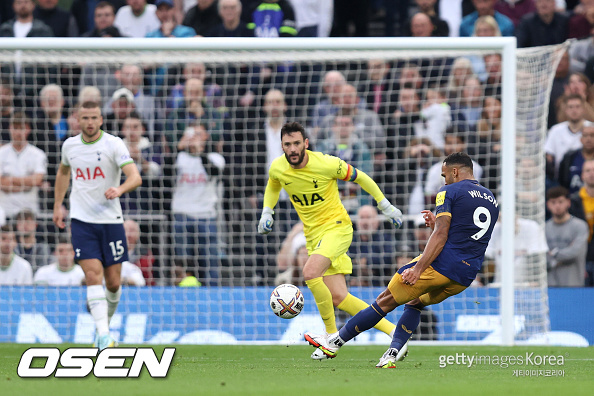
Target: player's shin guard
[113,299]
[353,305]
[323,299]
[98,307]
[407,324]
[364,320]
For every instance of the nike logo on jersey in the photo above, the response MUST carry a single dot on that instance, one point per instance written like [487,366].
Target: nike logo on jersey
[286,184]
[116,258]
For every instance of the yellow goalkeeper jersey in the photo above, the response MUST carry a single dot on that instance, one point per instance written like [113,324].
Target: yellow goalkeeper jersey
[313,190]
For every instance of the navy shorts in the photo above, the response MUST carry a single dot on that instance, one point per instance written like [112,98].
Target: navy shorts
[105,242]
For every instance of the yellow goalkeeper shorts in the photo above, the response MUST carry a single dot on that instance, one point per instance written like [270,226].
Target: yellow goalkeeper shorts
[334,244]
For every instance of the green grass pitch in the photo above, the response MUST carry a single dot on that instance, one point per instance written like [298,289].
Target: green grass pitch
[288,370]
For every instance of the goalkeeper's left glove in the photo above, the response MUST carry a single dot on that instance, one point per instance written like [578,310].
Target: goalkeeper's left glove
[391,212]
[266,221]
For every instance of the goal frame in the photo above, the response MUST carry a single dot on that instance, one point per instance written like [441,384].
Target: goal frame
[506,45]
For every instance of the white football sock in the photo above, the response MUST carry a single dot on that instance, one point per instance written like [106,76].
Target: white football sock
[98,307]
[113,299]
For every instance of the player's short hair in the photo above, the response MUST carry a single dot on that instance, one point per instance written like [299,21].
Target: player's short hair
[556,192]
[460,159]
[89,104]
[21,119]
[292,127]
[25,214]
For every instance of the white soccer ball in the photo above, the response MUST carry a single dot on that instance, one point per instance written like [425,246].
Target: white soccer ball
[286,301]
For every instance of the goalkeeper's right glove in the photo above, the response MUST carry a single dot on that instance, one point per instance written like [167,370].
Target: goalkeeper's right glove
[391,212]
[266,221]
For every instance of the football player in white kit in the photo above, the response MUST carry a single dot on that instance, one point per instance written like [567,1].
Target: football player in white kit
[95,159]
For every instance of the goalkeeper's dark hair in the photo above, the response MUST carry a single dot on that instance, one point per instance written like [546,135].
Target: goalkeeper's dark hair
[292,127]
[557,192]
[460,159]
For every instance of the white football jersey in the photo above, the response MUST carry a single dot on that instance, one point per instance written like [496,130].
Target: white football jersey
[51,275]
[95,167]
[131,273]
[195,191]
[27,162]
[19,272]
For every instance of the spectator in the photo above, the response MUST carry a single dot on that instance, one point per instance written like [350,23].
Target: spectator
[213,92]
[73,125]
[367,123]
[273,18]
[60,21]
[62,272]
[345,144]
[487,142]
[581,20]
[566,135]
[231,25]
[84,12]
[194,109]
[437,117]
[203,17]
[567,238]
[314,17]
[90,94]
[184,277]
[486,7]
[332,86]
[132,77]
[493,69]
[570,169]
[580,52]
[136,19]
[461,70]
[22,169]
[427,7]
[530,241]
[139,255]
[169,26]
[14,270]
[470,105]
[24,24]
[378,90]
[560,81]
[372,249]
[582,207]
[543,27]
[347,12]
[580,85]
[422,25]
[51,129]
[104,18]
[122,105]
[194,204]
[515,9]
[292,257]
[6,110]
[36,253]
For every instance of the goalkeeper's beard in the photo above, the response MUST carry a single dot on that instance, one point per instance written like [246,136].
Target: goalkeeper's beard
[300,158]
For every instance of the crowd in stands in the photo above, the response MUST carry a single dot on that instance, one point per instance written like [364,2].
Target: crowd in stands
[203,135]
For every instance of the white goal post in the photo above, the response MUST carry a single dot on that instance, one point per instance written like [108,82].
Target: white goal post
[524,100]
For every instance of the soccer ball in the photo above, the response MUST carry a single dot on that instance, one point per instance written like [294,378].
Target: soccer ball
[286,301]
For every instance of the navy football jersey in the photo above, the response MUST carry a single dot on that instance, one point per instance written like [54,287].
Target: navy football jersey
[474,212]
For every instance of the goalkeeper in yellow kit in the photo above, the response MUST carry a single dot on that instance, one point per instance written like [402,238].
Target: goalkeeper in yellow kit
[310,180]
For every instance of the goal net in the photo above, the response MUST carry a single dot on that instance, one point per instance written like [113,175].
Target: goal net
[201,119]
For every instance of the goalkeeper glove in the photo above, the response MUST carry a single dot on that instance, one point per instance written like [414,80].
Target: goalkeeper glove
[266,221]
[391,212]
